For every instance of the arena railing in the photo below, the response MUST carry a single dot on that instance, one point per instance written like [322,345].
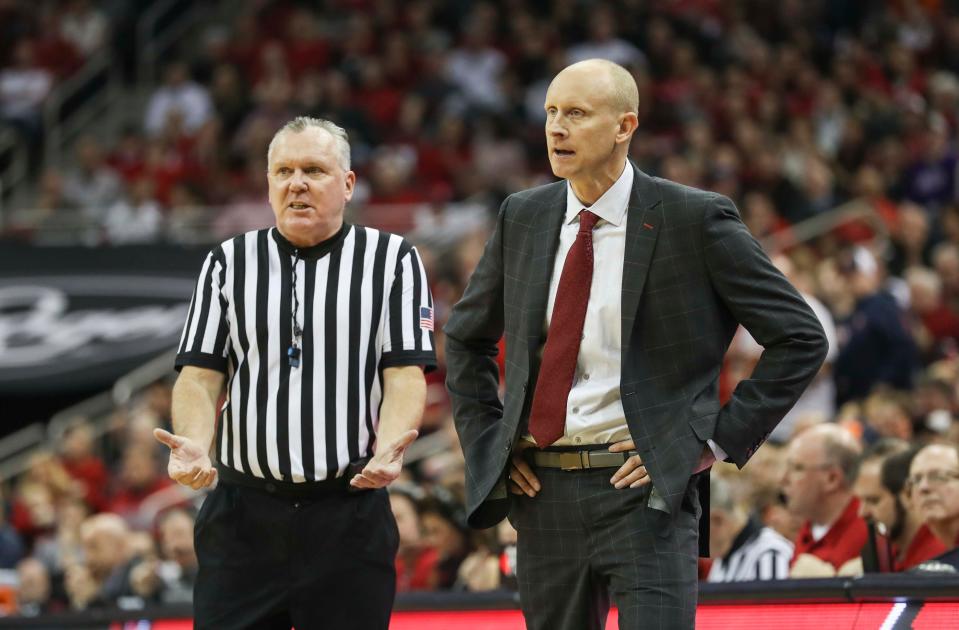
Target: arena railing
[78,104]
[18,449]
[850,212]
[13,169]
[159,29]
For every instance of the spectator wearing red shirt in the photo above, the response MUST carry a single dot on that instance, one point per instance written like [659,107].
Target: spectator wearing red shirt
[911,539]
[934,483]
[139,478]
[821,464]
[935,325]
[879,493]
[79,460]
[923,546]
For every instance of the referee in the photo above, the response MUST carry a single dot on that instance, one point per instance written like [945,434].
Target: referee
[321,331]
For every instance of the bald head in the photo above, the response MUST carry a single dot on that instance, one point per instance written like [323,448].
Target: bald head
[590,119]
[105,545]
[837,446]
[622,95]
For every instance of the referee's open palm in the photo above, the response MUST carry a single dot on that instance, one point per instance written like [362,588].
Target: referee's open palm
[189,465]
[386,465]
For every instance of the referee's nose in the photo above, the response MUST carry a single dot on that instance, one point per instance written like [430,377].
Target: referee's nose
[298,181]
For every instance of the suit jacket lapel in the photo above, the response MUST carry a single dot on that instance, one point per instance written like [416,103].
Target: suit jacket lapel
[545,235]
[643,225]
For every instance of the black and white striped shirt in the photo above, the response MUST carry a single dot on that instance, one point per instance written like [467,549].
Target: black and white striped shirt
[363,305]
[757,553]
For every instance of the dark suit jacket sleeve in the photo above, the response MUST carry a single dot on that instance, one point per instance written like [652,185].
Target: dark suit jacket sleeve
[766,304]
[472,333]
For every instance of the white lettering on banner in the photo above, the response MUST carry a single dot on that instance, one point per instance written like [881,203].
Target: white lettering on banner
[37,326]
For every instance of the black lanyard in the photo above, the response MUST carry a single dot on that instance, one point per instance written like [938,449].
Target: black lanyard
[293,352]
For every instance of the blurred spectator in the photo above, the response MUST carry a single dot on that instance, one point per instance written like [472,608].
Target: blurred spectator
[129,154]
[91,184]
[51,207]
[139,477]
[945,260]
[765,472]
[445,530]
[178,96]
[11,545]
[136,218]
[887,416]
[63,547]
[935,326]
[247,208]
[103,577]
[875,345]
[84,26]
[931,179]
[475,67]
[913,540]
[53,51]
[603,42]
[934,483]
[911,242]
[480,570]
[230,97]
[44,485]
[491,566]
[821,466]
[80,461]
[24,85]
[35,592]
[306,45]
[415,560]
[878,506]
[934,403]
[170,578]
[742,547]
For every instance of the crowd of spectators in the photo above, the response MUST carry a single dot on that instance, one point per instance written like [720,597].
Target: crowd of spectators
[793,109]
[42,44]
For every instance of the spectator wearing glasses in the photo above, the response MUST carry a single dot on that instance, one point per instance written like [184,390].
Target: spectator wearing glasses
[821,465]
[913,540]
[934,484]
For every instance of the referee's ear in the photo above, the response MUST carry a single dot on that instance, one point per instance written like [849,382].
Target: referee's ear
[349,185]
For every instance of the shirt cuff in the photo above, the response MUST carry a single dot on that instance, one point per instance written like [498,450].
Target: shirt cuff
[717,451]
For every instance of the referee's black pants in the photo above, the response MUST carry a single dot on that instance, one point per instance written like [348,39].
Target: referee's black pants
[269,561]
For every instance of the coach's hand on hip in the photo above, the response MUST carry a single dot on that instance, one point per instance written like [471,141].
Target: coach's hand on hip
[386,464]
[189,464]
[522,479]
[632,474]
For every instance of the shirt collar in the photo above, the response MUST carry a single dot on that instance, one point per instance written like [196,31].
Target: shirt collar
[315,251]
[611,206]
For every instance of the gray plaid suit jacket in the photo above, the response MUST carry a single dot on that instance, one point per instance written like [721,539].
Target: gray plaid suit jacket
[691,273]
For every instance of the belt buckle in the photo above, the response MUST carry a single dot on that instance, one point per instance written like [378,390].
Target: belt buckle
[572,461]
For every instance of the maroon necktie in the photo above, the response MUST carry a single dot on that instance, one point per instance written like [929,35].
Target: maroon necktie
[547,419]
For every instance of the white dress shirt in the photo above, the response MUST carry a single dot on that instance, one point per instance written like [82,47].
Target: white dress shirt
[594,409]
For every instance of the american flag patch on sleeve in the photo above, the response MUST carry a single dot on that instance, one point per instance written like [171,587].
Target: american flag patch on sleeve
[426,318]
